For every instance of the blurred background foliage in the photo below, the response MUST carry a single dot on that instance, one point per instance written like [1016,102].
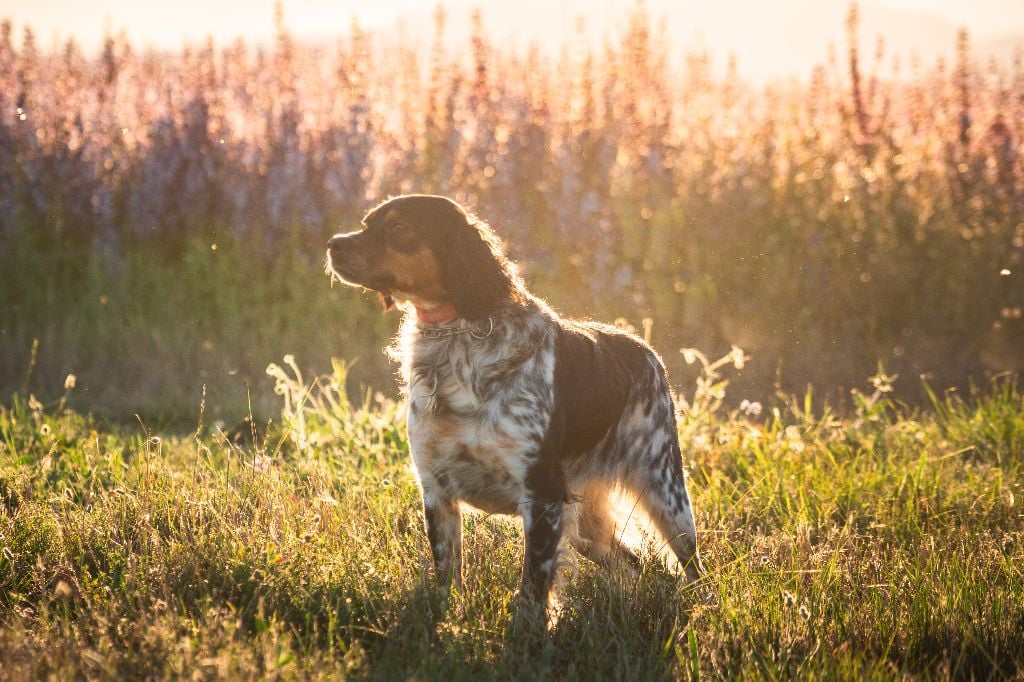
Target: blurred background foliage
[163,217]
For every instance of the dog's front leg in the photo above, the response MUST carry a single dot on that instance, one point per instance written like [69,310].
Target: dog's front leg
[542,524]
[444,532]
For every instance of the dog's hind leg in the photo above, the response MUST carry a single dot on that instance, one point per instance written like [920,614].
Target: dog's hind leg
[663,495]
[598,538]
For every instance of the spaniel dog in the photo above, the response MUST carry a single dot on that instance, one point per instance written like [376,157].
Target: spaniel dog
[513,409]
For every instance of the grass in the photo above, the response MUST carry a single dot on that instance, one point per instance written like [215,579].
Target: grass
[162,248]
[149,333]
[884,543]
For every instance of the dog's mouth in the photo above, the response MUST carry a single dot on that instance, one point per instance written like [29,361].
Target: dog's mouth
[338,269]
[346,274]
[352,275]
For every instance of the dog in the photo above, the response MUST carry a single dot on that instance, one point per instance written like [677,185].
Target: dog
[511,408]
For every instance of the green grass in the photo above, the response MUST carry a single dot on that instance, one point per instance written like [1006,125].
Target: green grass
[882,544]
[149,330]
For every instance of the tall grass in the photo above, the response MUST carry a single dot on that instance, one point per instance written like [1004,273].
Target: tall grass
[162,220]
[862,211]
[884,545]
[148,338]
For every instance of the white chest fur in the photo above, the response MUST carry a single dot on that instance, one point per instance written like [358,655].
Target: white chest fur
[477,414]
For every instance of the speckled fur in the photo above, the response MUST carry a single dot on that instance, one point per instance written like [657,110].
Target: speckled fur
[479,410]
[514,410]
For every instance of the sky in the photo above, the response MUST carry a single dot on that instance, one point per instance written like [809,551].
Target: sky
[769,37]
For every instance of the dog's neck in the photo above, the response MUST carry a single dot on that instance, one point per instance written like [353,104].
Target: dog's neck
[441,313]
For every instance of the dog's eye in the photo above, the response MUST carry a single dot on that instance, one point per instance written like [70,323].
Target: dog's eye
[399,230]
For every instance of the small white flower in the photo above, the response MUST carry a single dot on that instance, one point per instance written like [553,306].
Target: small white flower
[794,440]
[261,463]
[70,382]
[750,408]
[883,382]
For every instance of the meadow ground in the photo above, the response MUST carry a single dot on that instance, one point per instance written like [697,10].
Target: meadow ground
[883,544]
[163,218]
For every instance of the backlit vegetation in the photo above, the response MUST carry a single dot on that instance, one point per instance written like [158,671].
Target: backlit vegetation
[162,224]
[881,545]
[862,211]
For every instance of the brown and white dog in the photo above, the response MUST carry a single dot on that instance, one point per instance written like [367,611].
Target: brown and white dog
[513,409]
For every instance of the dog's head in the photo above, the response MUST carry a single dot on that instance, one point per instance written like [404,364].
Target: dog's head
[429,251]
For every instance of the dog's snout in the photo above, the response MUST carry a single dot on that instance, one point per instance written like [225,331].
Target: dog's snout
[340,246]
[343,258]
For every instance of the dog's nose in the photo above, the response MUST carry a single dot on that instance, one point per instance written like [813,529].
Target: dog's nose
[338,245]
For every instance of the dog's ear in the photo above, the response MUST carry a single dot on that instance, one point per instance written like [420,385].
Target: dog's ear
[477,276]
[387,302]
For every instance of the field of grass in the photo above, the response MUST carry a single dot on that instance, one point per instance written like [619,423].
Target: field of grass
[163,218]
[147,337]
[886,543]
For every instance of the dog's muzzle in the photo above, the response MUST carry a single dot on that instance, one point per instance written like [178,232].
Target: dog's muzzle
[340,253]
[347,257]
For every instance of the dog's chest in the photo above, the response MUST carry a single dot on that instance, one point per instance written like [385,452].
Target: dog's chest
[483,466]
[475,425]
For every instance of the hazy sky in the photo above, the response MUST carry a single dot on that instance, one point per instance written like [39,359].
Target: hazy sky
[770,37]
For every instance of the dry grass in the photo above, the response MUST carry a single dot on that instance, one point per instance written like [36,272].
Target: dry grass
[885,544]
